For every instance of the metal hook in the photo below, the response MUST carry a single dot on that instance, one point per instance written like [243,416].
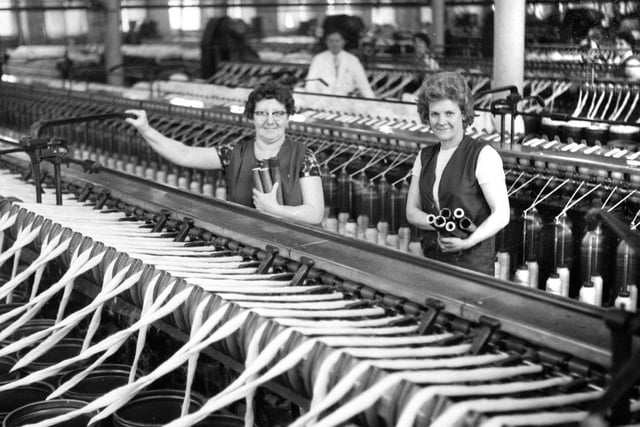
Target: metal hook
[635,224]
[621,201]
[536,202]
[609,197]
[529,181]
[372,162]
[357,154]
[515,182]
[392,165]
[335,154]
[567,207]
[404,178]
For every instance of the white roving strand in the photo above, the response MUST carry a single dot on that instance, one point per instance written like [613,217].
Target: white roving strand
[411,409]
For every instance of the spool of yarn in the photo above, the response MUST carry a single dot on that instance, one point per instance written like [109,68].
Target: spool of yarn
[274,171]
[350,228]
[598,286]
[359,183]
[221,189]
[383,232]
[343,218]
[140,170]
[404,238]
[393,241]
[362,223]
[522,276]
[330,189]
[371,234]
[150,173]
[344,192]
[534,269]
[196,183]
[623,301]
[208,186]
[111,163]
[172,177]
[383,187]
[554,284]
[265,179]
[458,213]
[467,225]
[161,175]
[587,294]
[257,182]
[439,222]
[633,292]
[331,224]
[504,261]
[184,180]
[565,276]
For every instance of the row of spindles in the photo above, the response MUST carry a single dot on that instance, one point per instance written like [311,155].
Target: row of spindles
[375,211]
[370,210]
[356,205]
[607,270]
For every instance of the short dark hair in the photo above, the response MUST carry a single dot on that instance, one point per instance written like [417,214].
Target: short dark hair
[627,36]
[270,90]
[334,31]
[446,85]
[423,37]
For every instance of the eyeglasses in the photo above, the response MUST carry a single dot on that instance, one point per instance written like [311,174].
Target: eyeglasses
[262,115]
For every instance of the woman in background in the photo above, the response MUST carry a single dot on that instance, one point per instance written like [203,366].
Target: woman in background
[422,52]
[628,62]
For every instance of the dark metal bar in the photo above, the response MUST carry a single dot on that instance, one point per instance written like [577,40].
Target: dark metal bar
[40,125]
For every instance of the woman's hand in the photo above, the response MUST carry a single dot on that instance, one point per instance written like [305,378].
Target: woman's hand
[140,122]
[267,202]
[452,244]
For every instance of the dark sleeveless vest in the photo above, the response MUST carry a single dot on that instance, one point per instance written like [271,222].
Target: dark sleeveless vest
[458,188]
[240,177]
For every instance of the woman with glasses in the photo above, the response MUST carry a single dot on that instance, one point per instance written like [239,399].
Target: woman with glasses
[297,196]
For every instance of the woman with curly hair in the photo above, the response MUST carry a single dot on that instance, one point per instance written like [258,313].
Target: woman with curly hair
[458,172]
[298,196]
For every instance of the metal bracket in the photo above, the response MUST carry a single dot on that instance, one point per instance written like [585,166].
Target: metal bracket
[303,270]
[183,231]
[85,193]
[267,262]
[434,307]
[486,328]
[164,215]
[102,198]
